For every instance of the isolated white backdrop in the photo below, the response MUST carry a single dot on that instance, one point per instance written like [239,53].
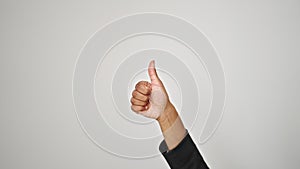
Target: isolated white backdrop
[258,43]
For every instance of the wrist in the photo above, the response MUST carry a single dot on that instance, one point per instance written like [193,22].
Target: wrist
[168,117]
[169,108]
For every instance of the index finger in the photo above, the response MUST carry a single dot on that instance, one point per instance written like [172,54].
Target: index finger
[143,87]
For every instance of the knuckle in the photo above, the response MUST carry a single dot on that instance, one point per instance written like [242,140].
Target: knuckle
[145,98]
[132,108]
[148,90]
[134,93]
[138,84]
[132,100]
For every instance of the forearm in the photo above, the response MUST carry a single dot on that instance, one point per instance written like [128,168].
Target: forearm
[171,126]
[182,152]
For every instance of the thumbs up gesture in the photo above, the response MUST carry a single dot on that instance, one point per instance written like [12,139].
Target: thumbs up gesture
[150,99]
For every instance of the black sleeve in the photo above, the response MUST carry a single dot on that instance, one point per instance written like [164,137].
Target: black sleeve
[184,156]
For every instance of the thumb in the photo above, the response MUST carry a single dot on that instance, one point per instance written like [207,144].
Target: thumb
[153,75]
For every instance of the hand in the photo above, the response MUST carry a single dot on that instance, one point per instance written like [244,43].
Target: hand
[150,99]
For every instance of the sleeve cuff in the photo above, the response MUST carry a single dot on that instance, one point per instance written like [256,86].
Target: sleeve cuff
[163,147]
[183,155]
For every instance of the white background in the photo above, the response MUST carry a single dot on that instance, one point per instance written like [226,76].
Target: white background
[258,43]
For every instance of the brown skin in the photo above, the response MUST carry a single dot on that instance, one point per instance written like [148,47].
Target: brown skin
[151,100]
[140,102]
